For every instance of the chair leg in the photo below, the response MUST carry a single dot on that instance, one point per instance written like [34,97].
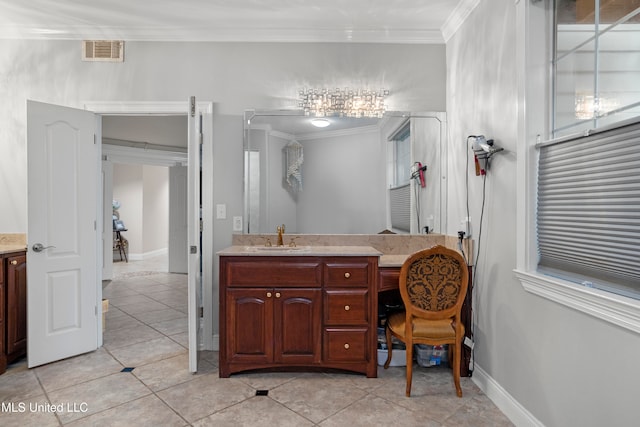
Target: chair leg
[387,333]
[409,352]
[457,350]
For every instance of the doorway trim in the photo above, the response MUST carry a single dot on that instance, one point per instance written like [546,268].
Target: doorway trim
[142,108]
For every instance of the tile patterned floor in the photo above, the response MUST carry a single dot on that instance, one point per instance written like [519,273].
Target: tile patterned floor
[146,329]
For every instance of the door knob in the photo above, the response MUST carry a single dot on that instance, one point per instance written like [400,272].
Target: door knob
[38,247]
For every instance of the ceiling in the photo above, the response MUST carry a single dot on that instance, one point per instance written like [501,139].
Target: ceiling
[384,21]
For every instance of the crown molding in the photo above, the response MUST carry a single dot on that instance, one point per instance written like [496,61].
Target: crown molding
[183,34]
[457,18]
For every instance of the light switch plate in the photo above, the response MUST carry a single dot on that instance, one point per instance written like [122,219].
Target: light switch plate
[221,211]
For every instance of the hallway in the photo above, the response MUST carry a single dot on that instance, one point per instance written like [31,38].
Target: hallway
[146,329]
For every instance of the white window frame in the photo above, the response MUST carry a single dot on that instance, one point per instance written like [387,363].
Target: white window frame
[534,32]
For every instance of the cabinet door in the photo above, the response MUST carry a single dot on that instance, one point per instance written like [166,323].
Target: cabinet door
[298,320]
[249,331]
[3,356]
[16,295]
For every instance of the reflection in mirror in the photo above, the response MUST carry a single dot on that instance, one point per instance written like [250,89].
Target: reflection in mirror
[355,176]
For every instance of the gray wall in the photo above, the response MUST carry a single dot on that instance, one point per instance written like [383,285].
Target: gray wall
[235,76]
[564,367]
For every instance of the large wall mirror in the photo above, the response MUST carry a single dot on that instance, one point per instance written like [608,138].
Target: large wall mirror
[354,176]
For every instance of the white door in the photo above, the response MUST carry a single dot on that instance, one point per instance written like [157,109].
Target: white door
[194,249]
[63,210]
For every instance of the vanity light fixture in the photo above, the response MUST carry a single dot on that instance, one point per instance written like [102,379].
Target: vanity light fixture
[320,123]
[343,102]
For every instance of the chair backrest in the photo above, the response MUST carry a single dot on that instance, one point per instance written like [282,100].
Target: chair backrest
[433,283]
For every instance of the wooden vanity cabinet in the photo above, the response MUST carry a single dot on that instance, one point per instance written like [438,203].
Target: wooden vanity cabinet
[13,307]
[297,312]
[16,306]
[3,356]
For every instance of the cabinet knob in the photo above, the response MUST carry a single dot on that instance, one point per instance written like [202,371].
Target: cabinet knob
[277,294]
[346,346]
[347,275]
[347,308]
[268,294]
[14,262]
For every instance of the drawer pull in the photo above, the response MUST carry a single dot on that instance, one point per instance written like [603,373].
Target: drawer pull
[14,262]
[347,308]
[346,346]
[277,294]
[347,275]
[268,294]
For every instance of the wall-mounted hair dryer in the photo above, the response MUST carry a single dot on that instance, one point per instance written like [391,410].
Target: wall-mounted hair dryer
[417,172]
[483,149]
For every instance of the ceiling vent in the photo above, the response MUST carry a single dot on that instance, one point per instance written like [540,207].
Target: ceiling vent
[103,50]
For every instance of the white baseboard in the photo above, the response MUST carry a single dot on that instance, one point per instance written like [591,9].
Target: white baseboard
[517,413]
[147,255]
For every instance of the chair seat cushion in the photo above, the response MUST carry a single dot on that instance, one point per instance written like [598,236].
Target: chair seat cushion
[422,328]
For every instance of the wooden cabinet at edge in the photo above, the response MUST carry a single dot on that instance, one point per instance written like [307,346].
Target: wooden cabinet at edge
[299,311]
[13,307]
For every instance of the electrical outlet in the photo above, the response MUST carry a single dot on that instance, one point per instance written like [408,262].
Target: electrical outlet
[237,223]
[465,224]
[221,211]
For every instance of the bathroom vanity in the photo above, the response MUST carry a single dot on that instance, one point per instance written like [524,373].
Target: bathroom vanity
[298,308]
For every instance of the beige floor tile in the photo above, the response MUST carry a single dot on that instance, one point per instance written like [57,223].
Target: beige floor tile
[77,369]
[148,411]
[169,372]
[478,411]
[136,309]
[207,394]
[182,338]
[316,397]
[97,395]
[19,383]
[124,337]
[114,313]
[129,299]
[266,380]
[159,315]
[147,352]
[32,412]
[120,322]
[257,411]
[172,326]
[375,411]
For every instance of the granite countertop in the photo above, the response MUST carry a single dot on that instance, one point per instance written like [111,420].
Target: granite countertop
[392,260]
[9,248]
[300,251]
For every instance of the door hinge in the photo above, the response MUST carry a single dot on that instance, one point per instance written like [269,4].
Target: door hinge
[201,226]
[193,249]
[95,139]
[192,101]
[201,313]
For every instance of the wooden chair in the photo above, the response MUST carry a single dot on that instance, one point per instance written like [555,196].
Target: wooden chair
[433,285]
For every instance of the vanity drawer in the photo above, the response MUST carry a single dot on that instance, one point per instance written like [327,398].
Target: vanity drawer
[272,271]
[345,345]
[341,273]
[346,307]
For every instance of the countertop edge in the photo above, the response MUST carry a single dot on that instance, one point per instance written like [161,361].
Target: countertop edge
[310,251]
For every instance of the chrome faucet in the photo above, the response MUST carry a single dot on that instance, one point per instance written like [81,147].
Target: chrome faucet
[280,230]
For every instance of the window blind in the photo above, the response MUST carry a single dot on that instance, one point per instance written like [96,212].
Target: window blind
[400,204]
[589,209]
